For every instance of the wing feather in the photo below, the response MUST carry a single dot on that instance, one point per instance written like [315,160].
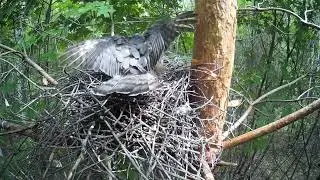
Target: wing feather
[156,48]
[98,55]
[115,55]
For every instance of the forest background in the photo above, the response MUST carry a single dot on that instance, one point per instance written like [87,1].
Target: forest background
[273,48]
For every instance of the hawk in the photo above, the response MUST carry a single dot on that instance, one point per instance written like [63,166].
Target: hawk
[128,61]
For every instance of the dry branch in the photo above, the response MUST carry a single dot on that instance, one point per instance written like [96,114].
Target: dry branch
[81,156]
[22,74]
[304,20]
[11,128]
[301,113]
[257,101]
[32,63]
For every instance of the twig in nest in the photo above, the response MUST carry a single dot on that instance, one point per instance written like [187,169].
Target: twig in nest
[224,163]
[81,155]
[155,135]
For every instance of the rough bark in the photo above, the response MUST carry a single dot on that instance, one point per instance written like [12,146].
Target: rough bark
[213,63]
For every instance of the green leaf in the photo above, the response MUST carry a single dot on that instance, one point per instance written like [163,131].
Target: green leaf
[8,86]
[49,56]
[103,10]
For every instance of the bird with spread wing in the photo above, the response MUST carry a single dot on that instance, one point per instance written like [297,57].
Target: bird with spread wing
[128,61]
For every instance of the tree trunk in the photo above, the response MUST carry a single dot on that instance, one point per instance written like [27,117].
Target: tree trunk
[212,64]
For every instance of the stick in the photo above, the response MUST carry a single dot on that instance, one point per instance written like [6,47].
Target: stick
[276,125]
[33,64]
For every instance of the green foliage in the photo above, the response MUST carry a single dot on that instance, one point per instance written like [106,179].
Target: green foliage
[69,9]
[8,86]
[128,172]
[257,145]
[15,157]
[50,56]
[43,29]
[244,3]
[273,48]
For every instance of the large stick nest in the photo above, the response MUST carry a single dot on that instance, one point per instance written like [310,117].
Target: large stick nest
[150,136]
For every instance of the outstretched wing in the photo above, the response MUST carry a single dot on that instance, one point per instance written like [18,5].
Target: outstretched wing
[119,55]
[162,34]
[110,55]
